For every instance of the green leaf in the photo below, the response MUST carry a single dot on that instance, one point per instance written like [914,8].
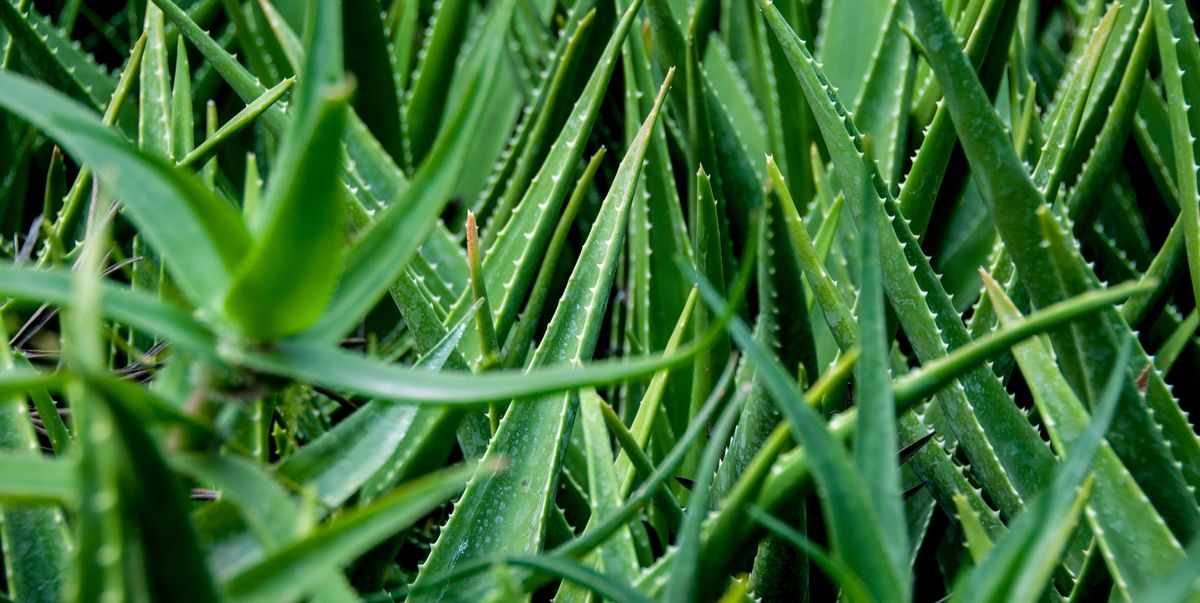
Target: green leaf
[382,440]
[428,96]
[154,501]
[52,58]
[36,480]
[855,530]
[117,303]
[875,448]
[298,568]
[616,558]
[297,253]
[1183,140]
[981,414]
[183,128]
[1140,548]
[683,585]
[201,236]
[377,258]
[237,123]
[154,108]
[35,541]
[533,436]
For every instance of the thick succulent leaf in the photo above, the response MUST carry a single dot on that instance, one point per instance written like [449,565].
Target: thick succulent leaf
[376,259]
[874,451]
[616,557]
[381,436]
[1179,101]
[32,480]
[850,38]
[35,540]
[367,58]
[117,303]
[53,58]
[201,236]
[154,500]
[428,96]
[297,252]
[532,436]
[154,109]
[298,568]
[509,264]
[790,474]
[1138,544]
[683,586]
[983,415]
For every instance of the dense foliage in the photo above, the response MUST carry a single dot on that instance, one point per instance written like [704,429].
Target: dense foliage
[870,300]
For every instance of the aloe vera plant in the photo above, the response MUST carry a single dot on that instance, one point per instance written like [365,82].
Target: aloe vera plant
[629,300]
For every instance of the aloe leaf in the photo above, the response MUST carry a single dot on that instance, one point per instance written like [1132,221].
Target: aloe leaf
[368,175]
[33,480]
[979,543]
[852,587]
[527,151]
[856,532]
[183,129]
[648,409]
[118,303]
[322,364]
[1047,524]
[874,451]
[347,457]
[53,58]
[658,288]
[153,498]
[48,411]
[532,436]
[35,541]
[1180,584]
[266,506]
[201,236]
[683,586]
[616,558]
[1184,145]
[581,575]
[297,252]
[985,417]
[367,58]
[1139,547]
[101,522]
[791,473]
[376,259]
[1162,466]
[1116,129]
[428,95]
[518,347]
[640,463]
[823,288]
[880,108]
[923,181]
[508,266]
[154,108]
[1166,355]
[298,568]
[850,37]
[731,88]
[707,246]
[621,517]
[237,123]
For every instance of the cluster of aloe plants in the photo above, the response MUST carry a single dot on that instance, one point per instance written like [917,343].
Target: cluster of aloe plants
[630,300]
